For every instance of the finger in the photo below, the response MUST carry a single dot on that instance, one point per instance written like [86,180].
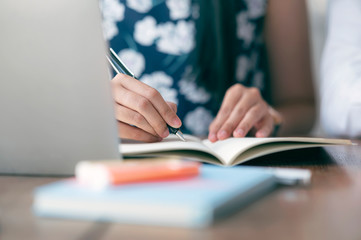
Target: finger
[130,132]
[265,127]
[132,117]
[154,97]
[231,98]
[247,101]
[144,107]
[173,106]
[254,115]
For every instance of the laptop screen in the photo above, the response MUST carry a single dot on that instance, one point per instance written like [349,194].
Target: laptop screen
[55,99]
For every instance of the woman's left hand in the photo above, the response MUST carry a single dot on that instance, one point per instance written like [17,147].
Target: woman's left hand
[243,109]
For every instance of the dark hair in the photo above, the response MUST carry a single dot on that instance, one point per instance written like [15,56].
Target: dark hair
[214,56]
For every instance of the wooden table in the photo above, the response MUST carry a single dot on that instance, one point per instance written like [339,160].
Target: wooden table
[328,209]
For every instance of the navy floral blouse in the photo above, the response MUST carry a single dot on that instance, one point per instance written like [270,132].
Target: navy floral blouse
[155,37]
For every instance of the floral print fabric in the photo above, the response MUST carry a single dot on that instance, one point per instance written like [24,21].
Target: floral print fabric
[155,37]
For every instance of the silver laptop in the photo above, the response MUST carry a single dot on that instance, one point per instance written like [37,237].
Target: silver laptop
[55,100]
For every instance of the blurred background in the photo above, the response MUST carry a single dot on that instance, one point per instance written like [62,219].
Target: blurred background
[317,16]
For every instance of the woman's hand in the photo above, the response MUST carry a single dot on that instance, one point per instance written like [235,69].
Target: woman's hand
[141,111]
[243,109]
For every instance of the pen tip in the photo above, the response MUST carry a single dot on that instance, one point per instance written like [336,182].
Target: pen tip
[180,135]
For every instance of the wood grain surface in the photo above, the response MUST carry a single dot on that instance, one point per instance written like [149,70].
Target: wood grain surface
[330,208]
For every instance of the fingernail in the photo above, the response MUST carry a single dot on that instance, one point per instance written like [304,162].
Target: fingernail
[239,133]
[260,134]
[165,134]
[176,122]
[212,137]
[223,134]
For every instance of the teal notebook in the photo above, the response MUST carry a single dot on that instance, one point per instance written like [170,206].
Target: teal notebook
[192,202]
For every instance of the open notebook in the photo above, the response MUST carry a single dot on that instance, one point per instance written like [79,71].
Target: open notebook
[228,152]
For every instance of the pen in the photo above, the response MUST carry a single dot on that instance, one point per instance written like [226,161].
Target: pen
[119,67]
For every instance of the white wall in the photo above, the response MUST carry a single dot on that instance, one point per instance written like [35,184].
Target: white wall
[317,20]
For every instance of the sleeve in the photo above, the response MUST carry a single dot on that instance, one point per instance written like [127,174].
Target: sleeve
[341,70]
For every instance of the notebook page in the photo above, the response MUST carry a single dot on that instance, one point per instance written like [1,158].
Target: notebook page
[170,145]
[231,148]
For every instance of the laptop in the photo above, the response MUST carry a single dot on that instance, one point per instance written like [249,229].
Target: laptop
[55,99]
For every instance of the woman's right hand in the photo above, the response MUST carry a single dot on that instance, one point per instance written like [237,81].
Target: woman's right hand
[141,111]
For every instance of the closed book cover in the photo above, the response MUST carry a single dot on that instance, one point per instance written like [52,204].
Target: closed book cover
[191,202]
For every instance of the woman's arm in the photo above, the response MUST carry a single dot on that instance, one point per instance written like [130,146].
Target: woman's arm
[286,33]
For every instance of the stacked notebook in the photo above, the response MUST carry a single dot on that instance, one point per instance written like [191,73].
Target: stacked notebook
[192,202]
